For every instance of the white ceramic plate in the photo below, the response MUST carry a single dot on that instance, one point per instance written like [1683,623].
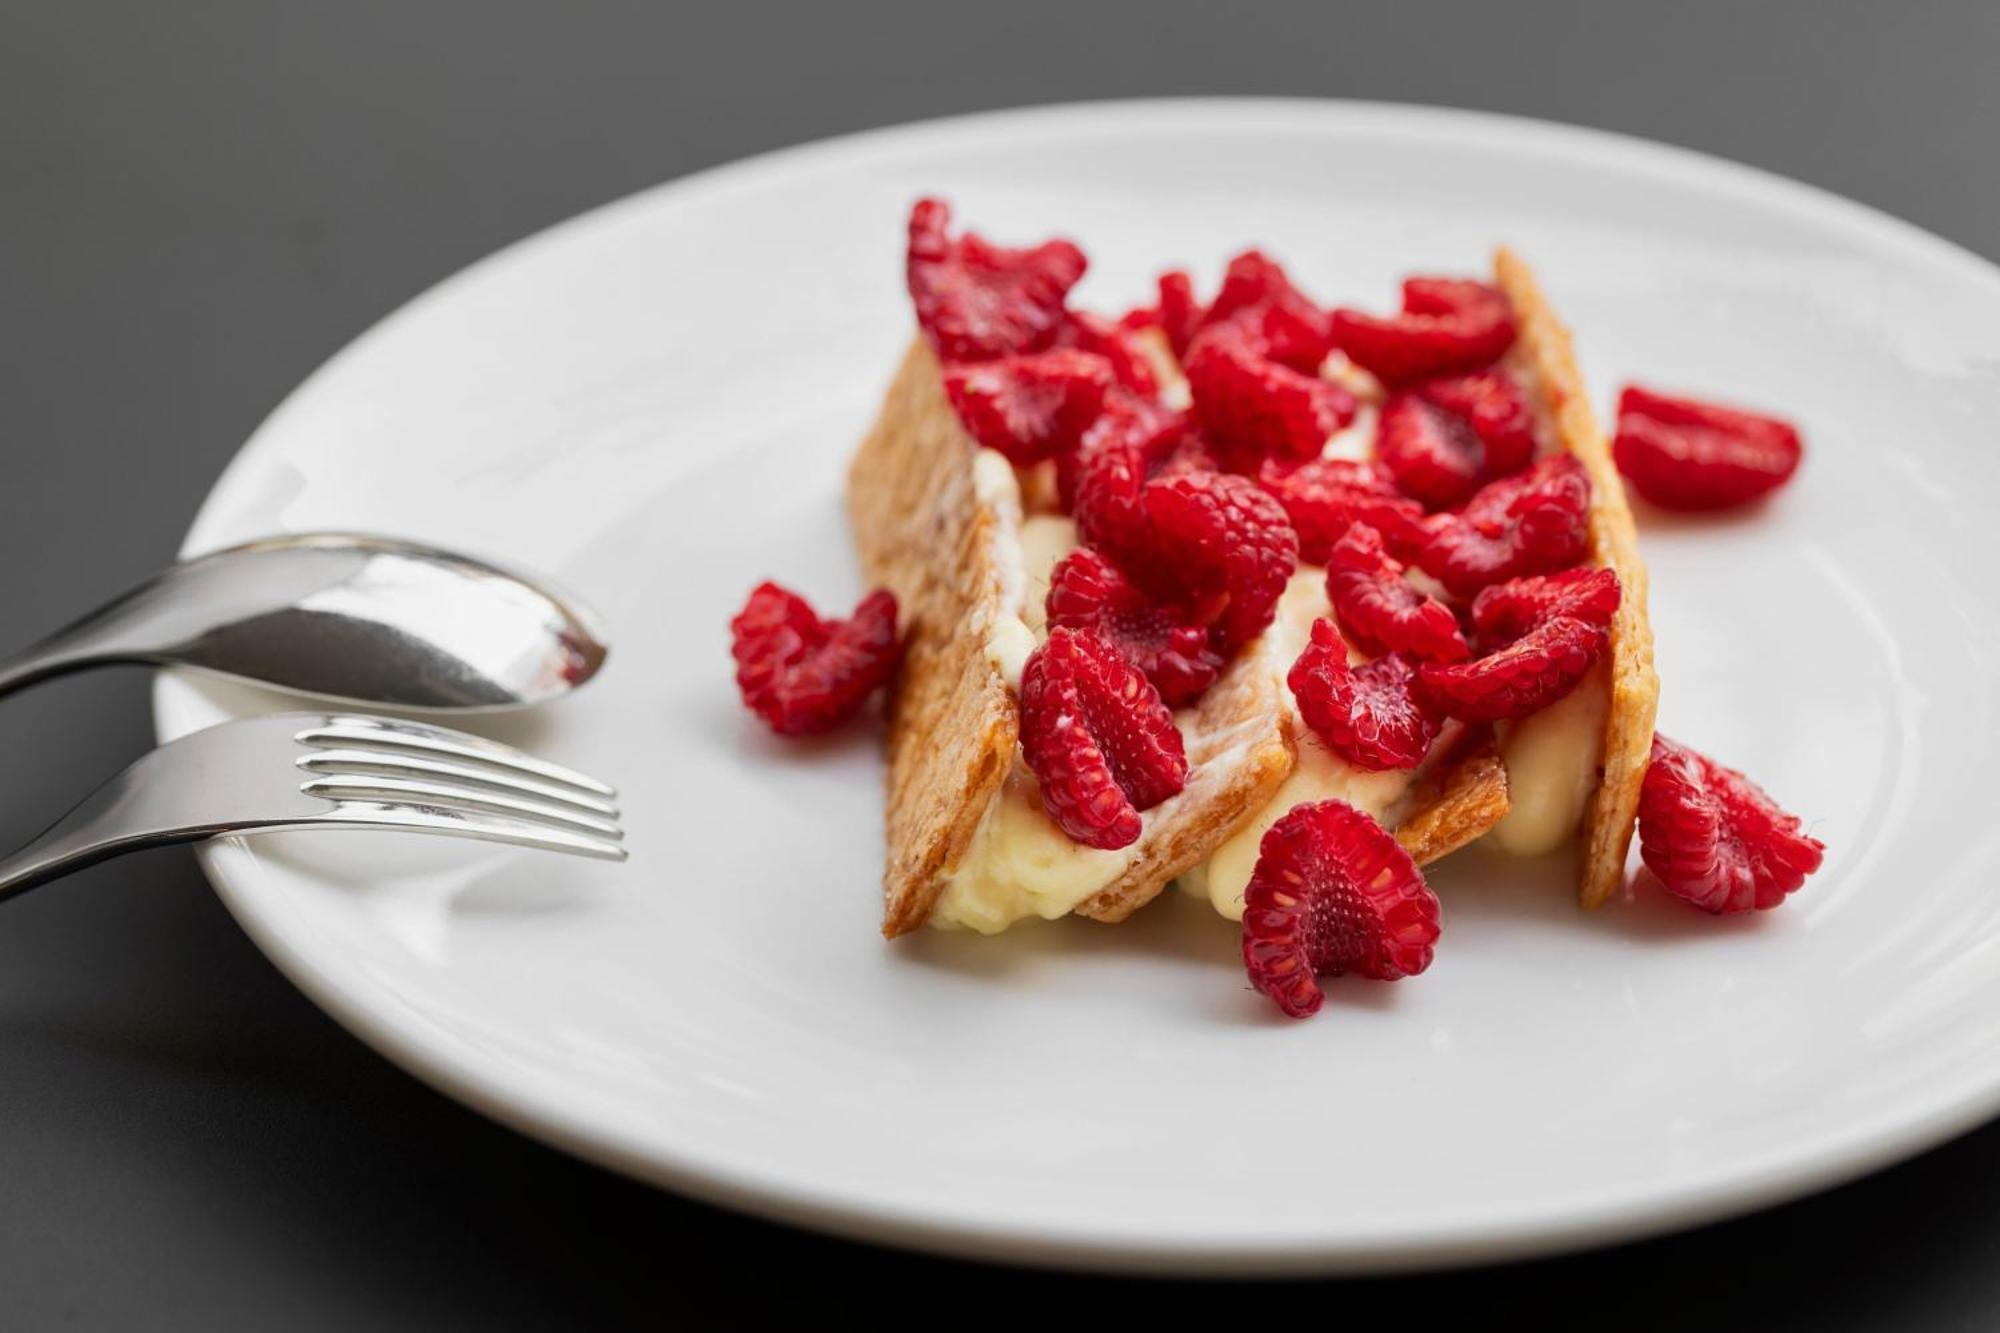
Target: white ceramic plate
[655,403]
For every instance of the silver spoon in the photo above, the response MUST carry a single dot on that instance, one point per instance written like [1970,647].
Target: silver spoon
[342,616]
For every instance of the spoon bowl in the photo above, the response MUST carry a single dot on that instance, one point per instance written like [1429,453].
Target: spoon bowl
[344,616]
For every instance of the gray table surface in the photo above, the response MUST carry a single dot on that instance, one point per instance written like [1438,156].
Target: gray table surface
[200,202]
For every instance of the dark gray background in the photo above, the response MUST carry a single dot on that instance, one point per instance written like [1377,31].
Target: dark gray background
[199,202]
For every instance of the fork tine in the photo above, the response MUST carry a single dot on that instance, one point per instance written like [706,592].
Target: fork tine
[377,731]
[395,764]
[406,791]
[475,824]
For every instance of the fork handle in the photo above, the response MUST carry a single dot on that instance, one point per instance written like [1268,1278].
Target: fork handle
[121,816]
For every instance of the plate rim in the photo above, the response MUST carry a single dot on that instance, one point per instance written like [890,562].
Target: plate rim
[1855,1151]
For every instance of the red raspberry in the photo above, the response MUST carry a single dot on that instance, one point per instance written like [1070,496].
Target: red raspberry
[802,674]
[1448,437]
[976,300]
[1493,403]
[1180,313]
[1325,496]
[1377,607]
[1448,326]
[1169,644]
[1253,406]
[1190,453]
[1449,296]
[1333,892]
[1534,523]
[1714,838]
[1222,539]
[1101,480]
[1095,334]
[1524,677]
[1029,407]
[1680,453]
[1257,293]
[1506,611]
[1098,739]
[1368,714]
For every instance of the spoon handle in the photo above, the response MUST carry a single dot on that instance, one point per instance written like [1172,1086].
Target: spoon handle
[51,657]
[100,637]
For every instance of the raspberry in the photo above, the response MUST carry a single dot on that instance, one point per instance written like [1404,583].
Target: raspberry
[1029,407]
[1714,838]
[1169,644]
[1324,496]
[1095,334]
[1257,293]
[1253,406]
[1099,741]
[1101,480]
[1221,537]
[1445,439]
[1506,611]
[802,674]
[1180,313]
[976,300]
[1534,523]
[1434,441]
[1190,453]
[1377,607]
[1448,296]
[1368,714]
[1333,892]
[1680,453]
[1524,677]
[1448,326]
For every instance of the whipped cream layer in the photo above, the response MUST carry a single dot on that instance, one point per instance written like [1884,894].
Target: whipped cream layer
[1552,759]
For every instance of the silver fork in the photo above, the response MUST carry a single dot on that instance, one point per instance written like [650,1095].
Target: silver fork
[326,770]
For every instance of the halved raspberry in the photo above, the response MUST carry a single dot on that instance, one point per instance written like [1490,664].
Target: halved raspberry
[1715,838]
[1441,442]
[1368,714]
[1096,736]
[1445,439]
[1168,643]
[1533,523]
[1253,406]
[1506,611]
[1379,609]
[1095,334]
[1029,407]
[1100,481]
[1221,539]
[1448,326]
[1333,892]
[1258,293]
[802,674]
[1325,496]
[976,300]
[1681,453]
[1524,677]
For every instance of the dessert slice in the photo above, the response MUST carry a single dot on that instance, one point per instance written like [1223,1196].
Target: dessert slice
[1277,601]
